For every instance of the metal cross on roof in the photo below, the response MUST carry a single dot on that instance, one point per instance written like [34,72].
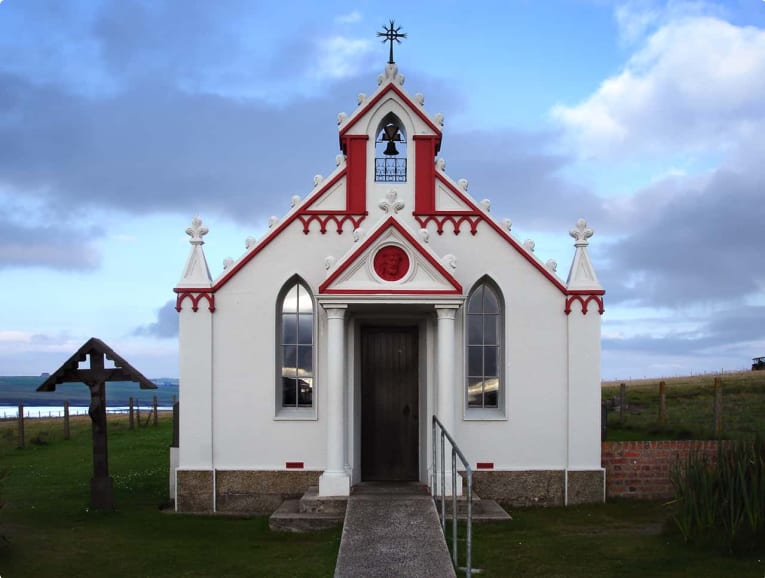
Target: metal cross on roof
[389,34]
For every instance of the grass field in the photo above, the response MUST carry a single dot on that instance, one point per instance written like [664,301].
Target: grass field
[690,408]
[47,529]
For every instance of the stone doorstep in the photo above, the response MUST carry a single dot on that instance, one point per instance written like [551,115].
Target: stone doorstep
[289,518]
[311,502]
[483,510]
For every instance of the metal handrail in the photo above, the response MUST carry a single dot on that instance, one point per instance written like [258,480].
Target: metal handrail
[456,452]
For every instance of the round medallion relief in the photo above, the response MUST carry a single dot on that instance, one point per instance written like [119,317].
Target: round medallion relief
[391,263]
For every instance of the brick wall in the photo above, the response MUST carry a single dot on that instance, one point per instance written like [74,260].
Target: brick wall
[641,470]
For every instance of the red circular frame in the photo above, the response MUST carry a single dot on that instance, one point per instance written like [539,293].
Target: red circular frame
[391,263]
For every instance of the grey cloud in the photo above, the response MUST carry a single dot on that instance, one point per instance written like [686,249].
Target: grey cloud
[702,246]
[47,246]
[514,170]
[166,324]
[732,329]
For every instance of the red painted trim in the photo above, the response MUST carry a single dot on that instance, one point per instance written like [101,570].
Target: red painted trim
[196,296]
[390,292]
[584,299]
[456,218]
[356,163]
[286,223]
[425,173]
[376,98]
[294,465]
[388,224]
[323,218]
[484,466]
[502,232]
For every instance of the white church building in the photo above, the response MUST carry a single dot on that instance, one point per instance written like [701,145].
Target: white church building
[383,297]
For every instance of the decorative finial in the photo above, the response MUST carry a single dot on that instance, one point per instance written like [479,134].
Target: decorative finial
[389,34]
[196,231]
[581,233]
[391,202]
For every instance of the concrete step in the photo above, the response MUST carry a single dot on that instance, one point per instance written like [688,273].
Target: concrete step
[483,510]
[311,502]
[289,518]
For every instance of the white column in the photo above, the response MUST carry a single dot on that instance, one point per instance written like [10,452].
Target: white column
[447,387]
[335,481]
[446,356]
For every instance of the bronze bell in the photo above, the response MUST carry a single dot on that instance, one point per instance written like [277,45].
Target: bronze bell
[391,134]
[390,150]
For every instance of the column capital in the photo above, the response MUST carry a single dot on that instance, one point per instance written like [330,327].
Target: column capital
[335,310]
[446,311]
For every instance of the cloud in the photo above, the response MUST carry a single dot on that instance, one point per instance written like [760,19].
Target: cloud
[516,171]
[696,245]
[47,246]
[720,331]
[696,84]
[166,324]
[349,18]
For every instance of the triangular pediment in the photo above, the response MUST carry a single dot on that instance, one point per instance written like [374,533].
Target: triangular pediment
[391,261]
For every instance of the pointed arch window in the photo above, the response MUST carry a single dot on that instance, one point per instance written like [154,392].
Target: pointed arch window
[485,347]
[295,352]
[390,151]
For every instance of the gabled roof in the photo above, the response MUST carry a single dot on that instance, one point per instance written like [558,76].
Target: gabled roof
[424,274]
[379,95]
[71,372]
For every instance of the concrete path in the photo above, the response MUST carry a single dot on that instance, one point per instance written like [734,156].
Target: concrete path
[392,530]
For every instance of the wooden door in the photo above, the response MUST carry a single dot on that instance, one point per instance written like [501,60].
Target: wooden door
[389,404]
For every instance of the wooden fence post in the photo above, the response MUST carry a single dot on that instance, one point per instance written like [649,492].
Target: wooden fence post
[718,408]
[131,422]
[622,401]
[21,426]
[67,434]
[662,403]
[154,408]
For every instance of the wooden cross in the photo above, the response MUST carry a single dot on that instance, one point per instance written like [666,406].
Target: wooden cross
[95,377]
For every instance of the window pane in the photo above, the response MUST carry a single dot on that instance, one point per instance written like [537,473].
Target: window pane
[474,303]
[305,361]
[490,361]
[490,302]
[290,303]
[475,336]
[305,305]
[289,328]
[305,329]
[289,390]
[490,397]
[475,363]
[475,392]
[289,360]
[490,329]
[305,392]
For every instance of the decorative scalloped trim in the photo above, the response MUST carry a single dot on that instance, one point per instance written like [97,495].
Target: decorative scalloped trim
[340,219]
[585,301]
[196,297]
[456,219]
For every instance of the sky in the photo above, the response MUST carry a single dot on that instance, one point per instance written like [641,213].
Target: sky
[121,120]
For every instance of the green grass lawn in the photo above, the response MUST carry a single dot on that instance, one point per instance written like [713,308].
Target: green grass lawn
[690,403]
[47,528]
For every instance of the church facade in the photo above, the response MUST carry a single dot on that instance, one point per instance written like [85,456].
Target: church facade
[383,297]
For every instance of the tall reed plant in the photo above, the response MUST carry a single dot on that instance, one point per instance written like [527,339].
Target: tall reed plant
[722,502]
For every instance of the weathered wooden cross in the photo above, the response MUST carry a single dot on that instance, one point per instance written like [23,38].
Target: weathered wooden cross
[95,377]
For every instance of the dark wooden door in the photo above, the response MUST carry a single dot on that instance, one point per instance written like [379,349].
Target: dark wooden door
[389,404]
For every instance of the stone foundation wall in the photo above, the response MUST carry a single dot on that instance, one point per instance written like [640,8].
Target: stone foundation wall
[539,487]
[641,470]
[241,491]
